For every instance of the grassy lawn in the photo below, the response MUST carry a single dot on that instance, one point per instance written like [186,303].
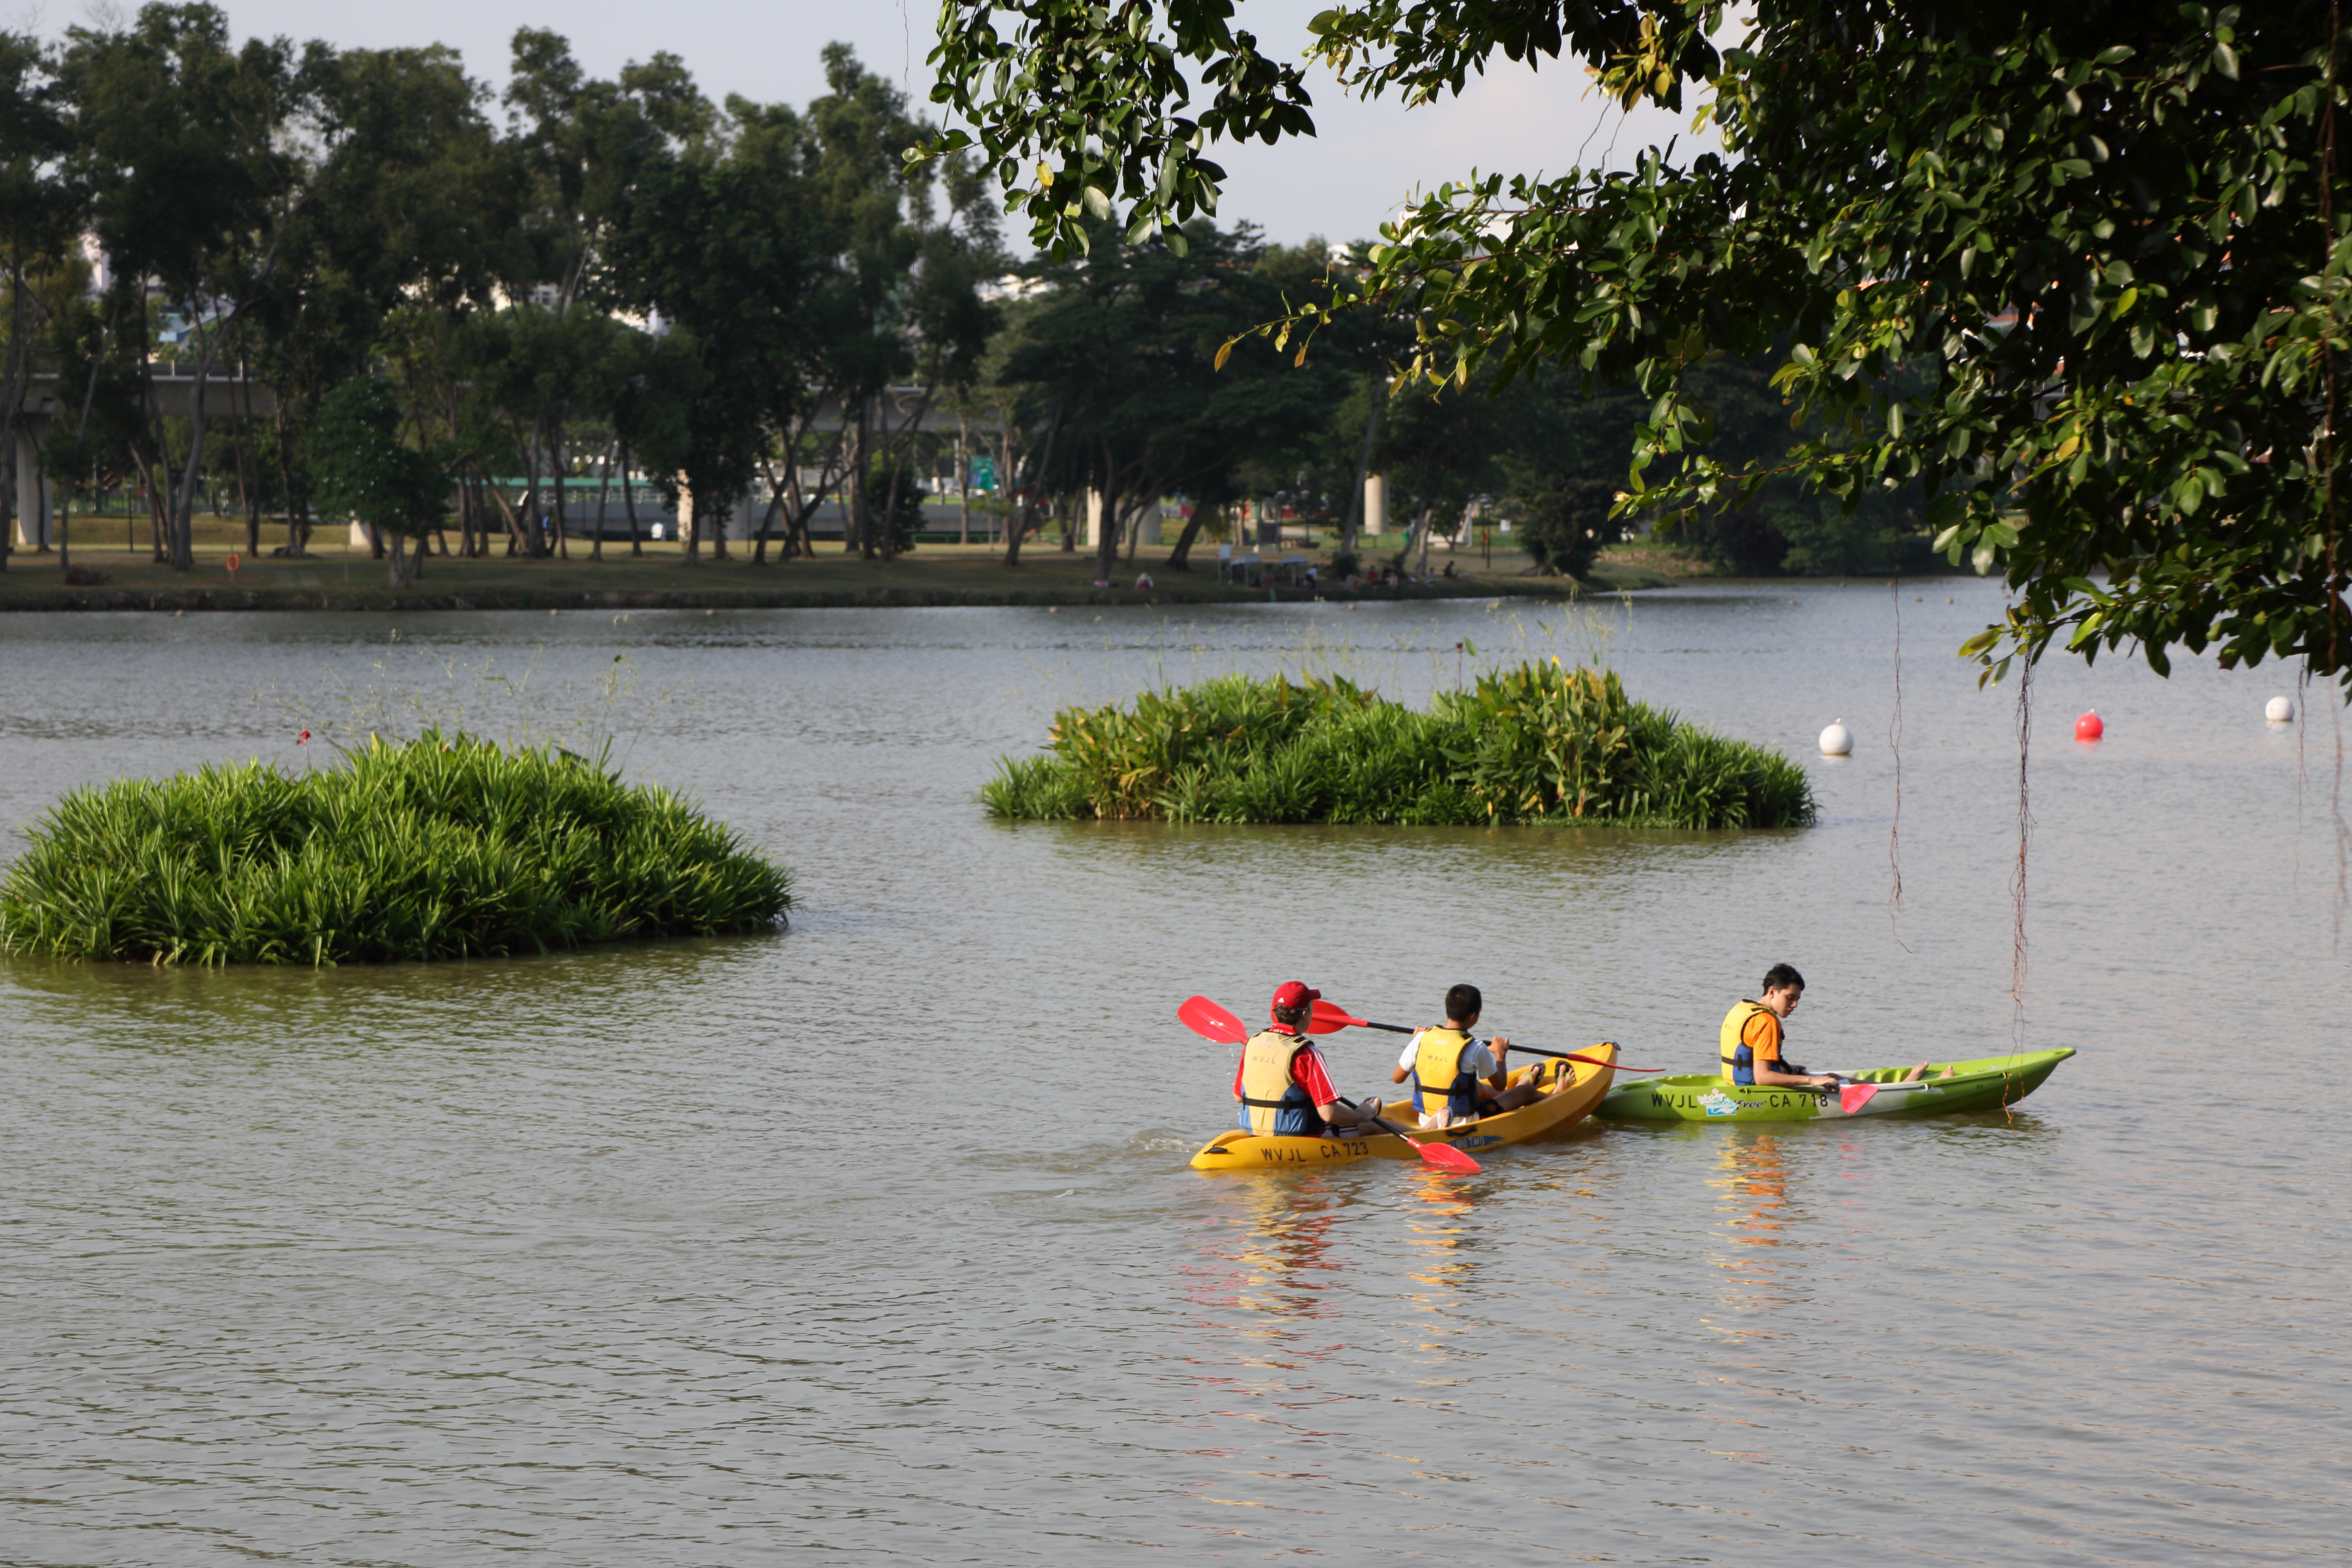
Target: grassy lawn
[334,575]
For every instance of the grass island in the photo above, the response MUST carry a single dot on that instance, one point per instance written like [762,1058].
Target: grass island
[441,847]
[1536,743]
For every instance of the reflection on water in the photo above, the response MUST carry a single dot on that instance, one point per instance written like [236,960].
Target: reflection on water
[1756,1217]
[1441,1257]
[875,1238]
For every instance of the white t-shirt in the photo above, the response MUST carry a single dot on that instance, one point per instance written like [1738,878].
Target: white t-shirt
[1480,1061]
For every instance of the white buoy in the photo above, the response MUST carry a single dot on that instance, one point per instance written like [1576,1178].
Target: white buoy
[2279,710]
[1837,740]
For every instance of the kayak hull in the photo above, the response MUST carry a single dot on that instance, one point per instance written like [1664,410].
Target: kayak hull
[1981,1083]
[1548,1117]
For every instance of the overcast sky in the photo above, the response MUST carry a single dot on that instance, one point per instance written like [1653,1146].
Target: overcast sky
[1364,161]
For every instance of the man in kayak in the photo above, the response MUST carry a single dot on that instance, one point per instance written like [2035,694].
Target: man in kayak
[1457,1077]
[1752,1038]
[1282,1082]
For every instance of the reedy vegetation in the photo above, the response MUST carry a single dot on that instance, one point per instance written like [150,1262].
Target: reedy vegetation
[446,846]
[1533,743]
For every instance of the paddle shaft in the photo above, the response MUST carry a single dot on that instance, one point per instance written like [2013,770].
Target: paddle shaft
[1524,1051]
[1424,1148]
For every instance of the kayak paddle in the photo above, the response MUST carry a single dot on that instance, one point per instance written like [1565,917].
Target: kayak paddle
[1330,1017]
[1444,1156]
[1852,1097]
[1211,1022]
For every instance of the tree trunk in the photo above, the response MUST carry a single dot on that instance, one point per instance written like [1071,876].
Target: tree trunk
[11,399]
[1181,557]
[1355,517]
[161,467]
[766,518]
[184,521]
[1133,526]
[399,556]
[860,526]
[963,480]
[1006,485]
[141,459]
[890,509]
[514,522]
[629,505]
[294,546]
[1106,529]
[248,478]
[603,492]
[562,473]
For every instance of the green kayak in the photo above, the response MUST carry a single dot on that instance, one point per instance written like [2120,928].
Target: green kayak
[1985,1083]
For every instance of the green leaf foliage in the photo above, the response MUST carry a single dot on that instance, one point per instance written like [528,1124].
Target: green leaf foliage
[443,848]
[365,470]
[2073,278]
[1536,743]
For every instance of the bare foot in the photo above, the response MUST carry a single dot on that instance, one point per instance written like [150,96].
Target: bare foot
[1915,1074]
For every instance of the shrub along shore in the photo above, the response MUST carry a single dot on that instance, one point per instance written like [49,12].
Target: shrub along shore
[1533,744]
[442,847]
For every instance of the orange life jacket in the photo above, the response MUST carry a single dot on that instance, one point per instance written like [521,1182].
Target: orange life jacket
[1739,1060]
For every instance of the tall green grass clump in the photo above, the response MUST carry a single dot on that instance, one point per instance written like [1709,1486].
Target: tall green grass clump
[1535,743]
[442,847]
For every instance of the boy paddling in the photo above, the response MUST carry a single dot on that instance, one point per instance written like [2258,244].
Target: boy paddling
[1455,1076]
[1282,1082]
[1752,1037]
[1753,1040]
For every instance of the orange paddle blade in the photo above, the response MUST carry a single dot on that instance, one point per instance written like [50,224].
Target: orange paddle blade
[1447,1157]
[1211,1022]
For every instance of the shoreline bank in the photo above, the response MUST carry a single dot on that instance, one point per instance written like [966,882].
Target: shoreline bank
[336,581]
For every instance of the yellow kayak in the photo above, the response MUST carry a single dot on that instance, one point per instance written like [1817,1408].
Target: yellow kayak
[1584,1084]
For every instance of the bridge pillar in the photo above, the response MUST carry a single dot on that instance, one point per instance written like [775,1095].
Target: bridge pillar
[33,516]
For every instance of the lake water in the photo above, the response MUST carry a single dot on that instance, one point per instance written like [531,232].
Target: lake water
[876,1237]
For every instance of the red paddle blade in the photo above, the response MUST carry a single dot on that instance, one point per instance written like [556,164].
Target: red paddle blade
[1854,1095]
[1330,1018]
[1445,1157]
[1211,1022]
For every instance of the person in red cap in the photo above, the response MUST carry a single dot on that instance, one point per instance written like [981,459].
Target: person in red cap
[1281,1083]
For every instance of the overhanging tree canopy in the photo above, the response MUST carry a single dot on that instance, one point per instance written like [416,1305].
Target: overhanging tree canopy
[2104,241]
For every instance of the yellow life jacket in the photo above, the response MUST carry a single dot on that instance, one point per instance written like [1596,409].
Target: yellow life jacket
[1442,1075]
[1272,1105]
[1738,1059]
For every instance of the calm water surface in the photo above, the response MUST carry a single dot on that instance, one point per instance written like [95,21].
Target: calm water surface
[876,1237]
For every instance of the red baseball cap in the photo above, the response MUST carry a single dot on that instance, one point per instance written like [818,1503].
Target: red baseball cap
[1295,994]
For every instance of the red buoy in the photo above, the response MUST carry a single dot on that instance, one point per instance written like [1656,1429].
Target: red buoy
[2088,728]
